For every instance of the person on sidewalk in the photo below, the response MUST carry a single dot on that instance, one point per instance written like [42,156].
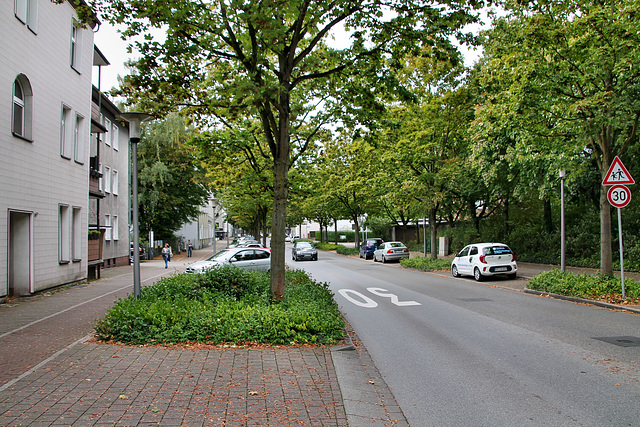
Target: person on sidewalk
[189,249]
[166,254]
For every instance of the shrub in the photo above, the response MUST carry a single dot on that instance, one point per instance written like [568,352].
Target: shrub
[343,250]
[225,305]
[426,263]
[596,287]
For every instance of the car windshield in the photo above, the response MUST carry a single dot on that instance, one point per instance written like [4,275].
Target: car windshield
[496,250]
[223,254]
[302,245]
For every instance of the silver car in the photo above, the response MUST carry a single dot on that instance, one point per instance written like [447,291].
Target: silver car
[390,251]
[304,250]
[255,259]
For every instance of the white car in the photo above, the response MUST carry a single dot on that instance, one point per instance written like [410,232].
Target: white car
[484,259]
[255,259]
[390,251]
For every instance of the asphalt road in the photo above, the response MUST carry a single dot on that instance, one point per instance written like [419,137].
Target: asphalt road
[458,353]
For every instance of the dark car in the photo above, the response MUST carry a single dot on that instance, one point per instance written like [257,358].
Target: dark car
[304,250]
[369,246]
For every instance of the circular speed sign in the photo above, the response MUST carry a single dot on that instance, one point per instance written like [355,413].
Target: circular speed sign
[619,196]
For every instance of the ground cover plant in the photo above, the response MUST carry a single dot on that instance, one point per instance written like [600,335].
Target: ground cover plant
[426,263]
[340,249]
[593,287]
[225,305]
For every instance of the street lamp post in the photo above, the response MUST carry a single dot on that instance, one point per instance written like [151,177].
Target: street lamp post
[135,120]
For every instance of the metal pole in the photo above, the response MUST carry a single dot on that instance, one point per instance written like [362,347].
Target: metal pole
[214,227]
[136,236]
[562,235]
[621,253]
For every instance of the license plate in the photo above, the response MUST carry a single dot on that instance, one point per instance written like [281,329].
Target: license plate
[501,269]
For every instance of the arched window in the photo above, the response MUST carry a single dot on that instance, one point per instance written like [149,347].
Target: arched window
[22,107]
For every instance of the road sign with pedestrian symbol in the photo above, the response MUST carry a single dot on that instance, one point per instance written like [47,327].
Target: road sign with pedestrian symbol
[618,174]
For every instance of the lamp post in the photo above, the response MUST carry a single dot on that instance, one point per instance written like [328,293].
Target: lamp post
[135,120]
[562,237]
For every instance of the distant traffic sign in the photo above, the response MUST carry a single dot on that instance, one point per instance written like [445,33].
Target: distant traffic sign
[619,196]
[618,174]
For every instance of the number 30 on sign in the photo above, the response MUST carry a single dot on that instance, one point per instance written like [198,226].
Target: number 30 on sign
[619,196]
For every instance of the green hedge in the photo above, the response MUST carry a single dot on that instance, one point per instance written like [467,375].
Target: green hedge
[426,264]
[342,250]
[594,287]
[226,305]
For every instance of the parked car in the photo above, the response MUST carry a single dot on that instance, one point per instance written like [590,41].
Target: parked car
[140,251]
[369,246]
[304,250]
[484,259]
[244,243]
[255,259]
[391,251]
[288,238]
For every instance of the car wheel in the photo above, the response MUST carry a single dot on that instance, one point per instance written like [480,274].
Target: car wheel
[315,257]
[454,271]
[511,276]
[374,259]
[477,275]
[384,260]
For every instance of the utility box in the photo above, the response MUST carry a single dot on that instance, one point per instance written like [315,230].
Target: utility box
[443,246]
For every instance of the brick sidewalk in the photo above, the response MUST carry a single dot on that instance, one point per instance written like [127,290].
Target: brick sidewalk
[99,384]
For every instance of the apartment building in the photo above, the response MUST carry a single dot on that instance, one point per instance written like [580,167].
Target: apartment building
[45,124]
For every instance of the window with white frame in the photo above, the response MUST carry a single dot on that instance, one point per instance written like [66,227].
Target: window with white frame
[114,182]
[22,107]
[101,179]
[79,139]
[76,46]
[114,226]
[64,234]
[107,137]
[116,137]
[107,179]
[66,132]
[107,227]
[76,227]
[27,12]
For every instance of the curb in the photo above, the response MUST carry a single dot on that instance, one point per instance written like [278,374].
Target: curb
[583,301]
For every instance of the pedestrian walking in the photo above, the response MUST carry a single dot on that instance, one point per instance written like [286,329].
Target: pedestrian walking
[189,249]
[166,254]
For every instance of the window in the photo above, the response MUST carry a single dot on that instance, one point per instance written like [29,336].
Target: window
[76,46]
[107,227]
[66,133]
[79,140]
[27,12]
[22,107]
[114,182]
[116,137]
[107,179]
[64,234]
[114,227]
[76,227]
[100,180]
[107,139]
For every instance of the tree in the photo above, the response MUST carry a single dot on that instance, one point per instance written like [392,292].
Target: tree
[222,59]
[573,75]
[171,187]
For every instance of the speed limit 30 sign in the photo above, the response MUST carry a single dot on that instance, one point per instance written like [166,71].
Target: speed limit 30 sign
[619,196]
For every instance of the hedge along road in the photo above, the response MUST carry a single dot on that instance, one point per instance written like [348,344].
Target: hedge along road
[455,352]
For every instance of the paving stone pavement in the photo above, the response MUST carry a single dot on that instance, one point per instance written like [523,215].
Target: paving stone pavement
[55,374]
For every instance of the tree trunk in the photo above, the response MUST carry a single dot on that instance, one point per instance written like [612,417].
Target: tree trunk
[433,227]
[357,234]
[548,219]
[606,254]
[335,233]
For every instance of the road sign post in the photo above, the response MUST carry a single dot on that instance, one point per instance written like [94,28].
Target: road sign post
[619,196]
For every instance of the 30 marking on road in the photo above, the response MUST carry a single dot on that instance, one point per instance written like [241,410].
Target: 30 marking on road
[364,301]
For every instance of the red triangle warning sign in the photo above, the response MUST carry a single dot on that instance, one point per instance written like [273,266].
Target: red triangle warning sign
[618,174]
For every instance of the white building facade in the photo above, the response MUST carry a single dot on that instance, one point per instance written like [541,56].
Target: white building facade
[45,117]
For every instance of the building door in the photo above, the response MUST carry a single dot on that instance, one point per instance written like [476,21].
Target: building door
[20,253]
